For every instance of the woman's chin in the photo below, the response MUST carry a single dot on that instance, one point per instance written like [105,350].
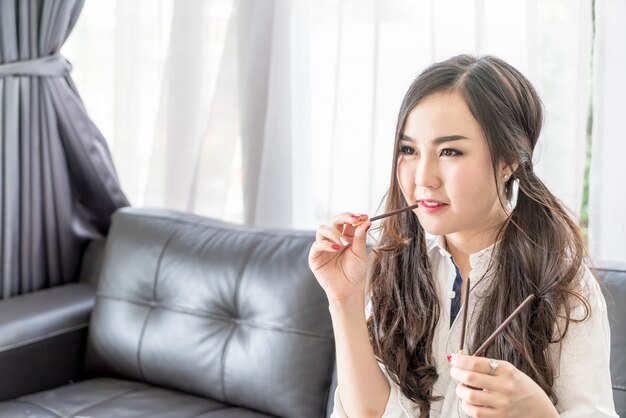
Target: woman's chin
[434,229]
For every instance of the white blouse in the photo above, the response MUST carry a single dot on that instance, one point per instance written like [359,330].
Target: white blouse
[583,382]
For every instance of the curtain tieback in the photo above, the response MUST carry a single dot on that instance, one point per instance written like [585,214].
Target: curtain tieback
[48,66]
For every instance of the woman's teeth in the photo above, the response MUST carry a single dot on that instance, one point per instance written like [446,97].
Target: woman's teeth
[431,204]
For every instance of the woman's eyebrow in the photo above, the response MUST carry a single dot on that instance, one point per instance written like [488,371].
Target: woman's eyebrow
[436,141]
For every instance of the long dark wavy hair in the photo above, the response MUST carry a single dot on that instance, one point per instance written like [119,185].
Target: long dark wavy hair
[540,248]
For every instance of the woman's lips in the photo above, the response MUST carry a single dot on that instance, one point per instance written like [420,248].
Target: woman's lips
[431,206]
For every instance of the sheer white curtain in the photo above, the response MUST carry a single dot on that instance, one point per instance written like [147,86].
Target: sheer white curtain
[161,85]
[607,192]
[281,113]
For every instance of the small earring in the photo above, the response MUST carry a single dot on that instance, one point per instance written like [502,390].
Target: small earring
[506,177]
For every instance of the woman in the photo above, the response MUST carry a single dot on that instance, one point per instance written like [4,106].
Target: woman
[464,141]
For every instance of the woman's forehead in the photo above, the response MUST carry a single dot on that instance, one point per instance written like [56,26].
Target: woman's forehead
[439,115]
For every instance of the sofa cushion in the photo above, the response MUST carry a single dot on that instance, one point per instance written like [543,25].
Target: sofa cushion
[105,397]
[613,282]
[226,312]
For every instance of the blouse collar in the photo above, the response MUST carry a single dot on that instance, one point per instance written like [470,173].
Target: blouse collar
[476,259]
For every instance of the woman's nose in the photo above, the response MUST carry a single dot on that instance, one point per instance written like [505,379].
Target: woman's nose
[427,174]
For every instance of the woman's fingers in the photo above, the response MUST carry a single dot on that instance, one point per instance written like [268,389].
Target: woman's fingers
[340,229]
[478,402]
[489,387]
[360,235]
[473,396]
[325,232]
[347,222]
[338,257]
[477,364]
[475,372]
[474,379]
[479,411]
[321,247]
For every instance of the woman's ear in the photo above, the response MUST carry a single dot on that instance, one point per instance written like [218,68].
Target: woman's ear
[507,170]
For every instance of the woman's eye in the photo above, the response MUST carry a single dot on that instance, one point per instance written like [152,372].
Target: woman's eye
[449,152]
[407,150]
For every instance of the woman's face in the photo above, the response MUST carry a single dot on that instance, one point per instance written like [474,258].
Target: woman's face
[444,164]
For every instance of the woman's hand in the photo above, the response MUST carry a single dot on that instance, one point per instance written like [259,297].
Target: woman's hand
[506,391]
[338,257]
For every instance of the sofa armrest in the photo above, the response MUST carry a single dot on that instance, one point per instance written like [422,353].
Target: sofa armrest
[42,338]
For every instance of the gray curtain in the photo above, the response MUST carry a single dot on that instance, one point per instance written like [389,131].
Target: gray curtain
[57,182]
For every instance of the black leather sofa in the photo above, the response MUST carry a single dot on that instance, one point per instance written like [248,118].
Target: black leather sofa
[192,318]
[613,282]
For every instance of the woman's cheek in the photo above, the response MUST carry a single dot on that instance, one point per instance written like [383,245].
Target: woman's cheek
[404,178]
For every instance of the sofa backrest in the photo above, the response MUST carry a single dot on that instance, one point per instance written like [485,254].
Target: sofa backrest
[613,282]
[227,312]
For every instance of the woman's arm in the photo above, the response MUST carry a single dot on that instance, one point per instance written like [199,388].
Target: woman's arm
[338,258]
[583,382]
[363,388]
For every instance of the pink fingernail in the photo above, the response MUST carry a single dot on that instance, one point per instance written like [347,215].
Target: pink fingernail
[335,247]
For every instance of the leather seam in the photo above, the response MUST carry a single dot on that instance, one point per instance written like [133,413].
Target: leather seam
[223,365]
[107,400]
[58,414]
[232,332]
[140,343]
[152,305]
[218,317]
[242,270]
[45,337]
[211,411]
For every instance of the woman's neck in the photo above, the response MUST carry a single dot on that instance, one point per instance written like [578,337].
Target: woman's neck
[461,245]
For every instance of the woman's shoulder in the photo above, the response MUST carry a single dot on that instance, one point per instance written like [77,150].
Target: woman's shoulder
[590,299]
[590,286]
